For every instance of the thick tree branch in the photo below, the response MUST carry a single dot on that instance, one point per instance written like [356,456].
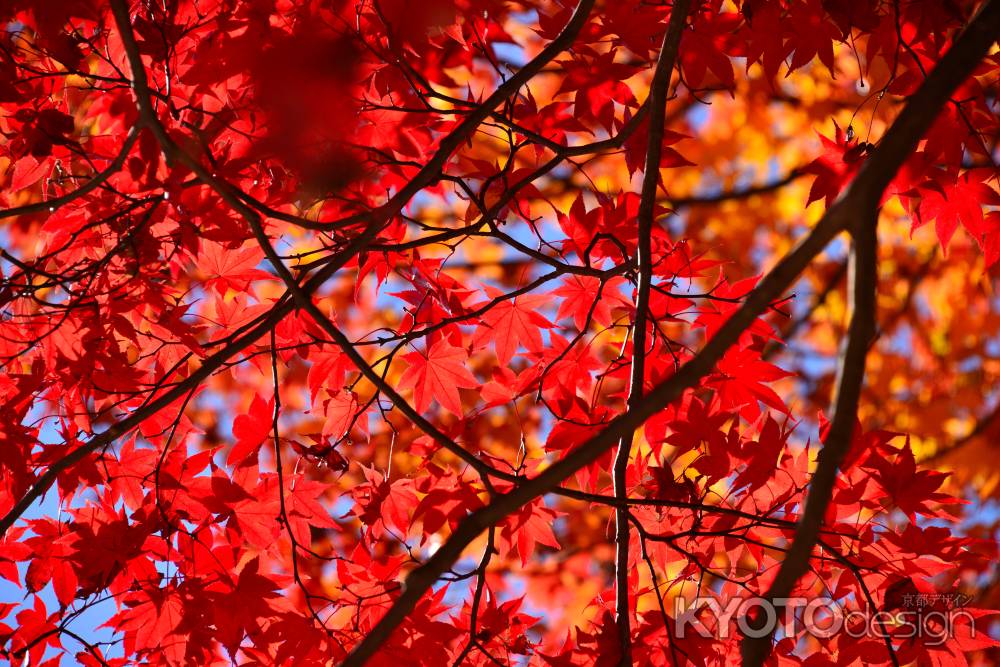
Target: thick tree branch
[658,93]
[862,195]
[862,279]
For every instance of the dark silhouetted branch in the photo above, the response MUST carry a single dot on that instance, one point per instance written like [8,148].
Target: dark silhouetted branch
[658,93]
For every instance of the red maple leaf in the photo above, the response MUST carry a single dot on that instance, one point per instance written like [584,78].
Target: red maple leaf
[251,430]
[151,619]
[436,375]
[580,294]
[836,166]
[950,201]
[741,379]
[513,323]
[227,268]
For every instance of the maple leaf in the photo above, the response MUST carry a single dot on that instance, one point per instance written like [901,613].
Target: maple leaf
[988,237]
[811,35]
[37,630]
[243,608]
[341,412]
[447,502]
[384,502]
[635,149]
[713,318]
[834,168]
[322,452]
[530,525]
[584,296]
[602,645]
[252,512]
[764,25]
[950,202]
[230,269]
[328,369]
[664,486]
[905,486]
[436,375]
[504,625]
[11,552]
[513,323]
[251,430]
[151,619]
[741,380]
[765,457]
[704,49]
[234,313]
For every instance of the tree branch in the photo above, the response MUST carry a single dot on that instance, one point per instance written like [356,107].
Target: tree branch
[658,92]
[862,279]
[733,195]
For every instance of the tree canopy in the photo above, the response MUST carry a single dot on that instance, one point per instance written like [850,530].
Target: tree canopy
[499,332]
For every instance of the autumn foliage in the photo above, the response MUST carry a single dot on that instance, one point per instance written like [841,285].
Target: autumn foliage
[488,332]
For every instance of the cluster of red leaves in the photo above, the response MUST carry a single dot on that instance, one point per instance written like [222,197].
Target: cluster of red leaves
[271,490]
